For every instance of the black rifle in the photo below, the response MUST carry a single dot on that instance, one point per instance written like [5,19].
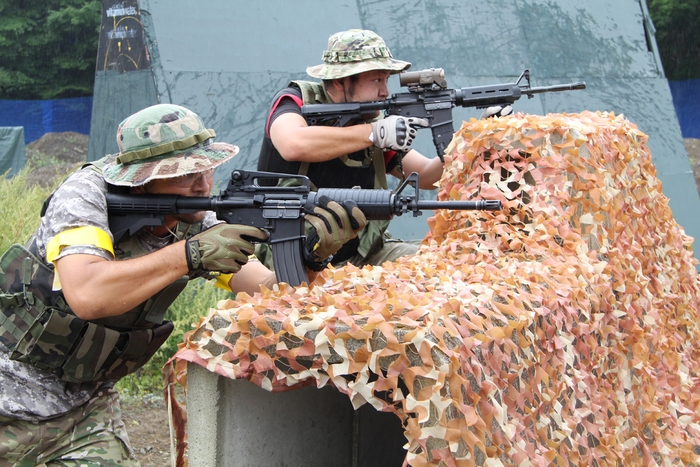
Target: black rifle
[429,98]
[277,209]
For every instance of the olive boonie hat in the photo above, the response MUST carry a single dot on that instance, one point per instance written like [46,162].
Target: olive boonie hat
[355,51]
[164,141]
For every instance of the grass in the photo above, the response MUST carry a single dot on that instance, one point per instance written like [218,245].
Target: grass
[20,211]
[185,312]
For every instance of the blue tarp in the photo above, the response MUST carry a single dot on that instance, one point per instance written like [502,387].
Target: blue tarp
[686,100]
[13,155]
[47,116]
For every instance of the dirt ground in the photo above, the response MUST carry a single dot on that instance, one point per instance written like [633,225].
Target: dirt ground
[54,154]
[147,425]
[146,420]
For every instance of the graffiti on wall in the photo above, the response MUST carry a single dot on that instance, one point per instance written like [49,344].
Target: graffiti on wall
[122,44]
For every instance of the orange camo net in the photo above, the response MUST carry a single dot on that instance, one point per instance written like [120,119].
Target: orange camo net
[562,330]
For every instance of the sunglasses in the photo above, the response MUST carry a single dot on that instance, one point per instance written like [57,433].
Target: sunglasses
[186,181]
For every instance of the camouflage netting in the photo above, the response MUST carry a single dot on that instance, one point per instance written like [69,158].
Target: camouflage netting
[562,330]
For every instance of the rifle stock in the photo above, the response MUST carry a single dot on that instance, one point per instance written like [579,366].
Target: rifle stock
[277,209]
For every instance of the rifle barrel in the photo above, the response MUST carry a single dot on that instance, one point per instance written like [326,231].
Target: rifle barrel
[479,205]
[556,88]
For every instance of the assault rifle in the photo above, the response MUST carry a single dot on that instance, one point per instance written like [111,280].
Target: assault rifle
[277,209]
[428,97]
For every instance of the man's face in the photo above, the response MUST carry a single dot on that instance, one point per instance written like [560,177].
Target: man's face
[366,87]
[196,184]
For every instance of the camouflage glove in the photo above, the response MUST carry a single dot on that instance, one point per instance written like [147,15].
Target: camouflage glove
[332,226]
[497,111]
[223,247]
[396,132]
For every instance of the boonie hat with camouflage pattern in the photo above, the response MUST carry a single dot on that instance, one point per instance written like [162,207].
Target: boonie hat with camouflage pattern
[355,51]
[164,141]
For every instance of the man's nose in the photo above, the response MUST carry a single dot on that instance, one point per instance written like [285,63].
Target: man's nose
[203,184]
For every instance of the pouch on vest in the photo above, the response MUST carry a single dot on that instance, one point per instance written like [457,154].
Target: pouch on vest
[80,351]
[38,328]
[21,304]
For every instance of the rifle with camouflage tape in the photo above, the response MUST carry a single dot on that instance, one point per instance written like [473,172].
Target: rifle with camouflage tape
[255,198]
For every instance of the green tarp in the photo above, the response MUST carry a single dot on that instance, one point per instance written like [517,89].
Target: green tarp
[225,59]
[13,155]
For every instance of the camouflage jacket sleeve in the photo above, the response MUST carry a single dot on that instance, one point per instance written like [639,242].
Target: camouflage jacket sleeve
[78,202]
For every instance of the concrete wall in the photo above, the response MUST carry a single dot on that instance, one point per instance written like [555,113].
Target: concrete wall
[234,423]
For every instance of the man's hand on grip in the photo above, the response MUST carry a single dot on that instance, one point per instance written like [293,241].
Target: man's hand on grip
[332,225]
[223,247]
[396,132]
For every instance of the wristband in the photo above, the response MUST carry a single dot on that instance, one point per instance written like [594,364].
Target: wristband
[314,265]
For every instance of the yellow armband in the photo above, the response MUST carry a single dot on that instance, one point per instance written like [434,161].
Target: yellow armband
[88,235]
[222,281]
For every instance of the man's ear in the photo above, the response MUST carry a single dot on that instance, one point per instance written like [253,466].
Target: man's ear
[335,87]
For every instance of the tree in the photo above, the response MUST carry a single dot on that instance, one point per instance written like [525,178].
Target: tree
[677,24]
[48,49]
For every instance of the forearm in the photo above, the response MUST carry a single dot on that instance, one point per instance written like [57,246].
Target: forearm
[254,274]
[429,170]
[301,143]
[250,277]
[97,288]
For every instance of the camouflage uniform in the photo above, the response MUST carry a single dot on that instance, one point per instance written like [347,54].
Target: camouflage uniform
[349,53]
[46,416]
[93,435]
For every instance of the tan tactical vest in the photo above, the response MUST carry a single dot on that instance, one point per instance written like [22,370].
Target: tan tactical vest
[39,328]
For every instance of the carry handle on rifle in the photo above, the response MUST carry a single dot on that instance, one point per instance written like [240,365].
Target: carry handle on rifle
[287,237]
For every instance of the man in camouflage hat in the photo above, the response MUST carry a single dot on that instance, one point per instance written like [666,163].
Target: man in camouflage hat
[80,311]
[356,68]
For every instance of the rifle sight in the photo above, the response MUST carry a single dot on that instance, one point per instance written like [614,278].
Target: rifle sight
[432,77]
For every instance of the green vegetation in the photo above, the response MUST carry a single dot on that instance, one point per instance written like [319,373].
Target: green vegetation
[194,302]
[20,210]
[48,49]
[677,23]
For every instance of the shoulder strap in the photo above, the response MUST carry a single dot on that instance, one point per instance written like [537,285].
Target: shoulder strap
[97,166]
[311,92]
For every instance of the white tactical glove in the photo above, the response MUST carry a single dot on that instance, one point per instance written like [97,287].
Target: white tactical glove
[396,132]
[497,111]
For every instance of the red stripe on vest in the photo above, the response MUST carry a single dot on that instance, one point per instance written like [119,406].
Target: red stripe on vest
[296,100]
